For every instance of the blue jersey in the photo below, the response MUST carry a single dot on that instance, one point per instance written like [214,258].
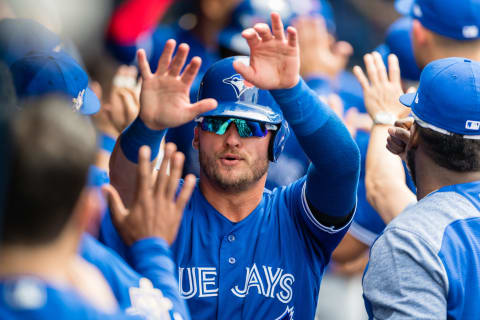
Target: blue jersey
[153,274]
[426,264]
[30,298]
[267,266]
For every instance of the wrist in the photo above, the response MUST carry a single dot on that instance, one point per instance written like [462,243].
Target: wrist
[138,134]
[384,118]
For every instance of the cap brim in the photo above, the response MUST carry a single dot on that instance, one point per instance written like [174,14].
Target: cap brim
[404,7]
[407,99]
[244,111]
[91,104]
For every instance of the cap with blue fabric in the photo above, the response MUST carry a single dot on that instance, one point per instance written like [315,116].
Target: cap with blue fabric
[250,12]
[448,97]
[399,42]
[239,99]
[42,73]
[18,37]
[458,19]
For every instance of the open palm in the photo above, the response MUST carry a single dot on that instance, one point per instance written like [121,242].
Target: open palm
[164,99]
[274,58]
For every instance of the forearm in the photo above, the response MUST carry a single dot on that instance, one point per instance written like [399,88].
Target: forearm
[151,258]
[387,191]
[123,161]
[333,175]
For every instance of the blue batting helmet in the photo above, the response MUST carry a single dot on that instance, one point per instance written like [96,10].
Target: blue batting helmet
[240,99]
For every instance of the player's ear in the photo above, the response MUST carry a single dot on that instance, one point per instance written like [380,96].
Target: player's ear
[87,209]
[420,35]
[195,141]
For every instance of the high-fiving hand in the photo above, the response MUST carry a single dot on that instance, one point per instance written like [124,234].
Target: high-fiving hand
[165,95]
[274,58]
[155,212]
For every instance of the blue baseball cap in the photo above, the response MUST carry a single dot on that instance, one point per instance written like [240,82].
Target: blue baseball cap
[448,97]
[458,19]
[250,12]
[19,37]
[399,42]
[41,73]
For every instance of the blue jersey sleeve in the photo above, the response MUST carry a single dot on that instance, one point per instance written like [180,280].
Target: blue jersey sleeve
[333,175]
[151,261]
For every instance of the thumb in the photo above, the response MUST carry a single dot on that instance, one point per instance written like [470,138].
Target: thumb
[118,211]
[202,106]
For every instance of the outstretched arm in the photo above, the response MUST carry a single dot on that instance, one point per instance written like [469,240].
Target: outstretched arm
[164,103]
[333,175]
[387,191]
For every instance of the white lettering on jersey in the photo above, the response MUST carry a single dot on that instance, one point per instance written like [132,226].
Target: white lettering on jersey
[270,284]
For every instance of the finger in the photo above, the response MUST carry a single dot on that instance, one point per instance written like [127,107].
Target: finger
[191,71]
[336,104]
[342,48]
[394,147]
[394,69]
[405,123]
[292,37]
[162,175]
[252,37]
[380,67]
[179,60]
[277,26]
[245,71]
[143,64]
[131,107]
[176,169]
[202,106]
[263,31]
[115,203]
[412,90]
[133,72]
[186,192]
[401,134]
[97,89]
[358,72]
[144,171]
[371,70]
[166,57]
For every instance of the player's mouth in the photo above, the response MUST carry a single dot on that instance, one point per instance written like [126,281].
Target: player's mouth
[230,159]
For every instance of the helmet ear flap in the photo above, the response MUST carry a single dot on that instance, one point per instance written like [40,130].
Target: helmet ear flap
[277,143]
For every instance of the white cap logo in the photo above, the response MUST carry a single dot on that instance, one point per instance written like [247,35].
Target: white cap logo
[470,32]
[472,125]
[416,98]
[78,101]
[417,11]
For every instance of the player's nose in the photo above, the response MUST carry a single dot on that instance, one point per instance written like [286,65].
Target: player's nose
[232,138]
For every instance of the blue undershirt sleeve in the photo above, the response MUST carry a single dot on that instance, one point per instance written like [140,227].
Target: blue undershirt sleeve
[333,174]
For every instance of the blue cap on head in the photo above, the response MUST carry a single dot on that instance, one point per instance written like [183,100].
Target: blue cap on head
[399,42]
[250,12]
[42,73]
[448,97]
[458,19]
[239,99]
[18,37]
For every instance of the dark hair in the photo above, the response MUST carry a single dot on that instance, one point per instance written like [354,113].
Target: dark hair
[452,152]
[51,150]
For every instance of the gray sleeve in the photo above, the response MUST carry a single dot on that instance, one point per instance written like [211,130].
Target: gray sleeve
[405,279]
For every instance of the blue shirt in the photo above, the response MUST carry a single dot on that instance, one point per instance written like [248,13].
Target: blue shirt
[268,265]
[426,264]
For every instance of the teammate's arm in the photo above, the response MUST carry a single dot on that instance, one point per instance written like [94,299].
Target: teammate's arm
[333,175]
[384,173]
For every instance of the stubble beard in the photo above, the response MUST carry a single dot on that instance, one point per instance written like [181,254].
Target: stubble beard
[227,179]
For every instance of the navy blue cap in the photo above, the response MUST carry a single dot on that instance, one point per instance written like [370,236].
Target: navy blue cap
[399,42]
[19,37]
[448,97]
[250,12]
[459,19]
[41,73]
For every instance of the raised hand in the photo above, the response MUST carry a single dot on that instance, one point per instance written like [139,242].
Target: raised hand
[164,99]
[155,212]
[319,52]
[274,58]
[399,136]
[381,91]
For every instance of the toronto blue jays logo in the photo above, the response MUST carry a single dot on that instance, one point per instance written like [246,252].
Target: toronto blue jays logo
[239,84]
[287,315]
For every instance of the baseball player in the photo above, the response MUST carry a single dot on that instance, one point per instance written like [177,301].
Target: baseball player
[244,252]
[424,265]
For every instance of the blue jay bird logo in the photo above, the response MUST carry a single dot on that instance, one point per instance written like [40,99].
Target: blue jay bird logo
[287,314]
[238,84]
